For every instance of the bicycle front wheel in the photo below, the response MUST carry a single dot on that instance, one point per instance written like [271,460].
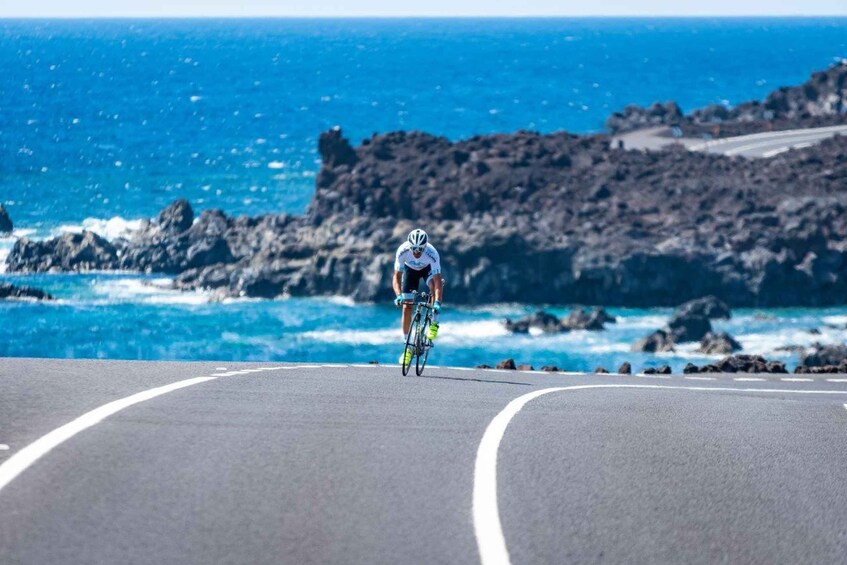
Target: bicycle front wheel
[410,345]
[420,361]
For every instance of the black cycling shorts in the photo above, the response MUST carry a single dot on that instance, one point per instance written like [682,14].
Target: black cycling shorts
[412,278]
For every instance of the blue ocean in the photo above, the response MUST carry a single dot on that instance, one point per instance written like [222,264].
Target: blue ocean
[105,122]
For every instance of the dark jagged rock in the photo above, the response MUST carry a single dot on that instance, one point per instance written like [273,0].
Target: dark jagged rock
[6,226]
[649,371]
[690,368]
[592,320]
[84,251]
[745,364]
[777,367]
[507,364]
[550,369]
[664,370]
[720,343]
[709,307]
[177,217]
[601,371]
[335,150]
[10,291]
[636,117]
[525,368]
[625,368]
[824,355]
[483,366]
[710,369]
[542,320]
[656,342]
[688,328]
[822,370]
[822,100]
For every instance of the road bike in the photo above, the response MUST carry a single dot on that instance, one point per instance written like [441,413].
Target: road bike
[417,340]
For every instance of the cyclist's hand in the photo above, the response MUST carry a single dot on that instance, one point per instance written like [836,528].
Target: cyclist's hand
[436,306]
[399,300]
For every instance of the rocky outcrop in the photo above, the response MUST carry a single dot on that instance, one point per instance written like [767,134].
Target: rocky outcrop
[822,100]
[524,217]
[6,226]
[541,320]
[820,356]
[744,364]
[691,322]
[719,343]
[9,291]
[507,364]
[591,320]
[709,307]
[656,342]
[637,117]
[84,251]
[579,319]
[625,368]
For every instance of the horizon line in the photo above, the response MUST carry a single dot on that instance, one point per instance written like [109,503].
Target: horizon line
[415,16]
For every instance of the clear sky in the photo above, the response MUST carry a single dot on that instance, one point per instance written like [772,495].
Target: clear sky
[213,8]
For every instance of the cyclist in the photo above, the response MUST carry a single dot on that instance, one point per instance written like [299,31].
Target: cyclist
[416,260]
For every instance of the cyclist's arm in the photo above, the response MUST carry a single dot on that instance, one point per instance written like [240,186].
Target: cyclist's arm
[396,283]
[437,287]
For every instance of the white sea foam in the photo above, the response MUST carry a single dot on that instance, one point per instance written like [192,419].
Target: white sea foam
[450,333]
[110,229]
[769,342]
[651,321]
[835,320]
[355,337]
[276,165]
[136,290]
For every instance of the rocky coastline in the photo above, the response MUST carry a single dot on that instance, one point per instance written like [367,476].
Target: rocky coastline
[523,217]
[820,101]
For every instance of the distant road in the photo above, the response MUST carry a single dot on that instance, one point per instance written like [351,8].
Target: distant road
[758,145]
[179,463]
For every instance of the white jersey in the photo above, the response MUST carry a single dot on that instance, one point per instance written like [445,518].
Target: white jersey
[404,259]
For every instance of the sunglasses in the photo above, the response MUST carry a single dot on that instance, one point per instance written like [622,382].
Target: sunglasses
[417,249]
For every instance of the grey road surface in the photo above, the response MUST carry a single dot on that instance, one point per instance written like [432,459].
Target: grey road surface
[759,145]
[276,463]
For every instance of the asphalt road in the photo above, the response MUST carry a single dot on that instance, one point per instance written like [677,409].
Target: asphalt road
[357,464]
[759,145]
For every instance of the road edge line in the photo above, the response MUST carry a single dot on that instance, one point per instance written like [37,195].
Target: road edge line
[485,510]
[23,459]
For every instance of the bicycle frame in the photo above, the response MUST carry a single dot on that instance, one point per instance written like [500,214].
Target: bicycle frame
[422,317]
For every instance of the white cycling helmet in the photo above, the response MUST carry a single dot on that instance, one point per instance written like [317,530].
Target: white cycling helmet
[418,238]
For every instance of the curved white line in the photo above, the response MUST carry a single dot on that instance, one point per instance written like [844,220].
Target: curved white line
[486,514]
[20,461]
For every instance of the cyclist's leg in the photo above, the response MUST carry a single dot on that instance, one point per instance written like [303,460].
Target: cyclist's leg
[410,282]
[434,284]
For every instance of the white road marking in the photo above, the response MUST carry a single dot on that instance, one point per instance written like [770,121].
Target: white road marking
[4,447]
[767,135]
[21,460]
[701,378]
[220,368]
[485,510]
[796,380]
[774,152]
[747,379]
[836,380]
[643,376]
[787,141]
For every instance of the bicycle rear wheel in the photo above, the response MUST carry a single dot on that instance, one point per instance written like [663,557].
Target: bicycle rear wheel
[420,361]
[425,346]
[410,345]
